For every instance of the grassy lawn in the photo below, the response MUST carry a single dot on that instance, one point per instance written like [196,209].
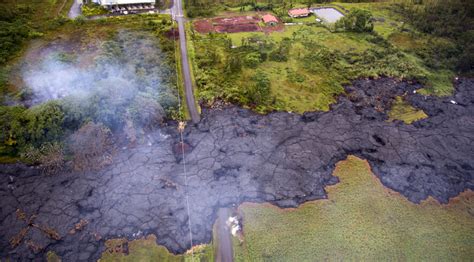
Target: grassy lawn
[335,41]
[315,93]
[361,220]
[401,110]
[146,249]
[318,91]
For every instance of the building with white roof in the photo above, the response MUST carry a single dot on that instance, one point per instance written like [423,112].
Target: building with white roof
[129,4]
[125,2]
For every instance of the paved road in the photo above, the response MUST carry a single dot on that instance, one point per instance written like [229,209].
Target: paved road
[177,11]
[75,10]
[224,251]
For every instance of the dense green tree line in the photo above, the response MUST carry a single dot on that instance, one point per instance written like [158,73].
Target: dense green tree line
[14,29]
[453,19]
[21,127]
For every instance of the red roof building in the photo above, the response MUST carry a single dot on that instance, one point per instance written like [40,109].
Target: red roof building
[270,19]
[299,12]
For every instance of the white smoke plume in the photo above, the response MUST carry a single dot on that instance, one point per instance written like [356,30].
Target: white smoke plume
[127,73]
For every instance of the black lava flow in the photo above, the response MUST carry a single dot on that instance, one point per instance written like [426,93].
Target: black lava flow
[235,155]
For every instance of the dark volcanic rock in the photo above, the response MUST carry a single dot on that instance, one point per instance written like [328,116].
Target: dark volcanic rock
[235,155]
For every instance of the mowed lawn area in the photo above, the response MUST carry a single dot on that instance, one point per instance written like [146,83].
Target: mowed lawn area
[362,221]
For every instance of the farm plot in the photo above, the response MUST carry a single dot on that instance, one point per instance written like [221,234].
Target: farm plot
[228,24]
[234,24]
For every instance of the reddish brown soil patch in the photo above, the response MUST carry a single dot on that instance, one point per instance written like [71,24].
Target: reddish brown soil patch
[203,26]
[236,20]
[276,28]
[237,28]
[229,24]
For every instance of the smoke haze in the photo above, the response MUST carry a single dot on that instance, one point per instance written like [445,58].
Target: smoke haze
[127,72]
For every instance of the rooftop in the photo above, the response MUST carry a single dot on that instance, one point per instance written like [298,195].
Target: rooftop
[125,2]
[298,11]
[269,18]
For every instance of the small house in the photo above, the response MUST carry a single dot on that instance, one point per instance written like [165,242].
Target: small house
[299,12]
[270,19]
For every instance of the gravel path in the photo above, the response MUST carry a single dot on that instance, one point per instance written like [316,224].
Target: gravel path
[235,155]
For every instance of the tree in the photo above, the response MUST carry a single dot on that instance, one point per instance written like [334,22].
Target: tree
[234,64]
[252,60]
[357,20]
[14,29]
[44,123]
[453,19]
[11,129]
[281,53]
[260,91]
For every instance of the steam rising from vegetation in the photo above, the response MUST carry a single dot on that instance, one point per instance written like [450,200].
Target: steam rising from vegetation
[128,73]
[125,83]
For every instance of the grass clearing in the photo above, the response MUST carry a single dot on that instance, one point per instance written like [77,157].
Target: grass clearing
[361,220]
[335,41]
[146,249]
[401,110]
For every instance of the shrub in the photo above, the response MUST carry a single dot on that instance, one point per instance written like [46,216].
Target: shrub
[357,20]
[80,20]
[281,53]
[91,147]
[252,60]
[49,156]
[93,9]
[11,129]
[259,93]
[43,123]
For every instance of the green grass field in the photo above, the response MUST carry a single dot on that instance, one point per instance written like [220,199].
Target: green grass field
[146,249]
[360,221]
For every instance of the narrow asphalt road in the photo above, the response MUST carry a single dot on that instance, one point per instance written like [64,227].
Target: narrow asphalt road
[177,11]
[75,10]
[224,250]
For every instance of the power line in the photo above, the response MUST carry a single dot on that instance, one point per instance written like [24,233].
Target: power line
[180,129]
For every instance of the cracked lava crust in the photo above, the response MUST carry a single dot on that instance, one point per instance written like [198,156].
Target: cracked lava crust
[235,155]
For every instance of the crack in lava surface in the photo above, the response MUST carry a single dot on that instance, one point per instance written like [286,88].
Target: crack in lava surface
[235,155]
